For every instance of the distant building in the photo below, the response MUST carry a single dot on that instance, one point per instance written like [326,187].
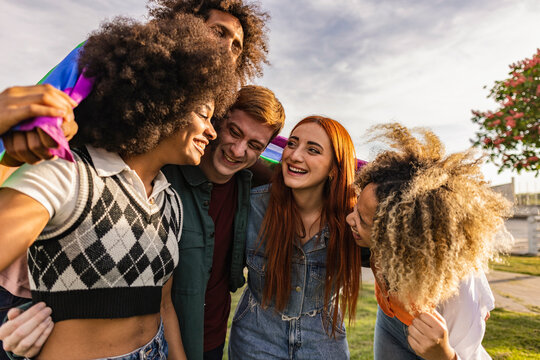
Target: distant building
[525,204]
[507,190]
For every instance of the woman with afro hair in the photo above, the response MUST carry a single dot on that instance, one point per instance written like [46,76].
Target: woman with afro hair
[102,232]
[432,224]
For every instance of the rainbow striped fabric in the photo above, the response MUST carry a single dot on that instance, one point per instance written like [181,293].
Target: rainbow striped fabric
[66,77]
[274,150]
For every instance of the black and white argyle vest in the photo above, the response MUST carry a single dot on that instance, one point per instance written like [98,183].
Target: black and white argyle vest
[111,259]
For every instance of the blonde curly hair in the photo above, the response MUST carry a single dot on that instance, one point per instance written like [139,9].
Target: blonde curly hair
[436,218]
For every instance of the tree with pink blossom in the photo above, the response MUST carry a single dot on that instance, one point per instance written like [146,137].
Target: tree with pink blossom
[511,134]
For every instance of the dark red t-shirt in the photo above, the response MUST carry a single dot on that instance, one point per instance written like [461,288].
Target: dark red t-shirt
[223,202]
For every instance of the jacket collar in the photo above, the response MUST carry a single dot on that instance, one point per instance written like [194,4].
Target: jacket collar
[196,177]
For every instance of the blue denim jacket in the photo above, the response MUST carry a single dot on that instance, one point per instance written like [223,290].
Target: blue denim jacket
[308,263]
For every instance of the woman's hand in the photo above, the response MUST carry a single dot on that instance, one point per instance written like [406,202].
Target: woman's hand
[20,103]
[428,337]
[26,332]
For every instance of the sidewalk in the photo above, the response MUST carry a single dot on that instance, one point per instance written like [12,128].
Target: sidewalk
[513,292]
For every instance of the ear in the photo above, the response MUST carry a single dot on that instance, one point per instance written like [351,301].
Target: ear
[333,173]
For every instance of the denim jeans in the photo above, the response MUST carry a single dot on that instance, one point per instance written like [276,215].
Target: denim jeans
[262,333]
[7,301]
[155,349]
[391,339]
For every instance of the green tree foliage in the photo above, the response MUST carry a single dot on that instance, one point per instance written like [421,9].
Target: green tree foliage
[511,134]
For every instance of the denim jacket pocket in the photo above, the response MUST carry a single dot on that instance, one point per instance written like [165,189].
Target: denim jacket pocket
[327,323]
[257,266]
[256,261]
[244,305]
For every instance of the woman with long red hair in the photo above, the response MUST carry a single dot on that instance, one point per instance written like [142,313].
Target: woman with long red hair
[303,266]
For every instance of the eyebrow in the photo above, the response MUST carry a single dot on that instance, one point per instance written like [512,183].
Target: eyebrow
[309,142]
[315,143]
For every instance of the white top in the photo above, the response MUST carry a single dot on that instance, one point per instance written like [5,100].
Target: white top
[53,183]
[465,313]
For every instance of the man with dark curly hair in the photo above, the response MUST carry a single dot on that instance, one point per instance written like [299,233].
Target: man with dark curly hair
[240,25]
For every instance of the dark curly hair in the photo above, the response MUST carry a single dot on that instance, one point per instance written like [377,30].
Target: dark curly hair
[148,78]
[251,17]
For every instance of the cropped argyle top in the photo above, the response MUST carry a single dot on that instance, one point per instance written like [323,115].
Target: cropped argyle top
[112,259]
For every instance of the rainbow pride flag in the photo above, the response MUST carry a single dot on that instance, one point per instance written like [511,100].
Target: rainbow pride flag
[274,150]
[66,77]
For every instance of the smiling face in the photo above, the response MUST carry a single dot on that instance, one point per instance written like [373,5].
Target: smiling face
[228,29]
[308,157]
[241,140]
[361,218]
[188,144]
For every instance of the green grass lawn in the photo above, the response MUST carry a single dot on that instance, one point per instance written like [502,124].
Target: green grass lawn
[509,335]
[529,265]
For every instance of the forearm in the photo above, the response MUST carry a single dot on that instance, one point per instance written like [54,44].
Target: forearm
[171,326]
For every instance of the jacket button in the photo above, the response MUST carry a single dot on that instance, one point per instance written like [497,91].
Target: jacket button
[298,289]
[212,234]
[206,203]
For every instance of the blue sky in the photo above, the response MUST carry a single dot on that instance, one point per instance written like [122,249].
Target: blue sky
[362,62]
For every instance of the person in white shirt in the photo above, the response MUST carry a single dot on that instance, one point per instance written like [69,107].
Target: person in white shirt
[430,221]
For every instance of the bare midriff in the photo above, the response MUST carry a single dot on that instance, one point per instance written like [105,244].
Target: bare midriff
[98,338]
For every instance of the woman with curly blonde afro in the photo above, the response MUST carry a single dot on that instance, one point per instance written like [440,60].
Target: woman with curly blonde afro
[431,222]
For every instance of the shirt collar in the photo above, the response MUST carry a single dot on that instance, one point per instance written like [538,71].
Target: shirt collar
[195,176]
[107,163]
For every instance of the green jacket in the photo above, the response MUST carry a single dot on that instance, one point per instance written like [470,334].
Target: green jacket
[197,250]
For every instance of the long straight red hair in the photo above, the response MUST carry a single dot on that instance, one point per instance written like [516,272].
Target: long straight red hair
[282,225]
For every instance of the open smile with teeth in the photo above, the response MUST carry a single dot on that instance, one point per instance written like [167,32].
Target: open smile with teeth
[200,145]
[230,159]
[296,170]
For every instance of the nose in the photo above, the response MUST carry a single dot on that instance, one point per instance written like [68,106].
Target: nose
[227,42]
[350,219]
[238,149]
[296,155]
[210,132]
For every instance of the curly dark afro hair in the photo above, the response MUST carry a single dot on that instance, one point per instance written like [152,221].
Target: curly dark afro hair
[251,17]
[148,79]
